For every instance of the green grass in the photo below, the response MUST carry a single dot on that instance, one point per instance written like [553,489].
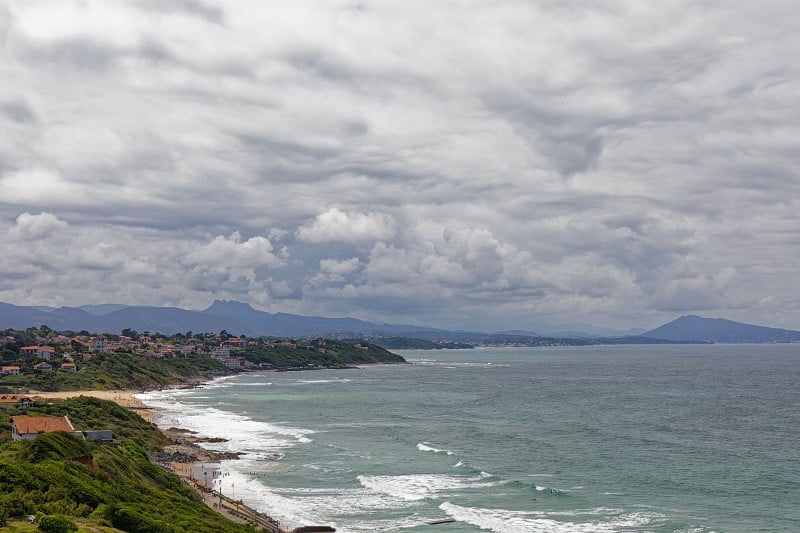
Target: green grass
[107,485]
[106,371]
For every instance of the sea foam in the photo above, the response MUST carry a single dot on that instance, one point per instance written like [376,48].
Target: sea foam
[505,521]
[421,486]
[426,447]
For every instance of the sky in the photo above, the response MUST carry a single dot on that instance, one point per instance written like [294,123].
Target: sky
[459,163]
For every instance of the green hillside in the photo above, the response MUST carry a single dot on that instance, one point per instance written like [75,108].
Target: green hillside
[101,484]
[121,370]
[317,353]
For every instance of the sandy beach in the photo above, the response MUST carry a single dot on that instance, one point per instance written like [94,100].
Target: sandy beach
[124,398]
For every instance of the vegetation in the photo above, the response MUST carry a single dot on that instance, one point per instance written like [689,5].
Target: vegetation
[316,353]
[64,480]
[406,343]
[105,371]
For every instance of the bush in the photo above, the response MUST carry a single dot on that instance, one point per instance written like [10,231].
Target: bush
[56,523]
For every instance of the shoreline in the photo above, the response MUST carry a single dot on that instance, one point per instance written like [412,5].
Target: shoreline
[187,459]
[184,458]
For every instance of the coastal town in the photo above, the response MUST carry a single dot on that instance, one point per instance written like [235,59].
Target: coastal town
[66,352]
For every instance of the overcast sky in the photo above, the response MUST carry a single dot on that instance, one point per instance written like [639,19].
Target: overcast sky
[476,164]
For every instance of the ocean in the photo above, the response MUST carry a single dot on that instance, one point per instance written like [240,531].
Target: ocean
[678,438]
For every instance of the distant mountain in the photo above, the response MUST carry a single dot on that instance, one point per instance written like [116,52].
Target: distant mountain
[235,317]
[697,328]
[239,318]
[102,309]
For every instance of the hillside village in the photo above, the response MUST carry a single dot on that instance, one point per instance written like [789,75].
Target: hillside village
[36,352]
[52,350]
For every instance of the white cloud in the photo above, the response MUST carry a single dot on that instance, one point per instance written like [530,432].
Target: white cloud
[232,251]
[333,266]
[336,225]
[30,227]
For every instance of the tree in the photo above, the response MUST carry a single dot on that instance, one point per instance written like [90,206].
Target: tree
[56,523]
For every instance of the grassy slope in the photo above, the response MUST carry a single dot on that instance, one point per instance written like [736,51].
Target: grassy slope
[336,354]
[119,371]
[110,485]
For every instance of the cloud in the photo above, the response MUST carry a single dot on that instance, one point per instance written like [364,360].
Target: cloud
[31,227]
[233,251]
[336,225]
[565,162]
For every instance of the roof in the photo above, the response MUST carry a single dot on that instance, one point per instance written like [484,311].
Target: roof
[13,398]
[27,425]
[46,349]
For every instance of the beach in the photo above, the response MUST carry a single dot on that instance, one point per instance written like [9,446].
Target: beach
[124,398]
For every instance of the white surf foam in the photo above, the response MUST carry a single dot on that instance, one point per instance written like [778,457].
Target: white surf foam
[505,521]
[253,438]
[426,447]
[317,381]
[420,486]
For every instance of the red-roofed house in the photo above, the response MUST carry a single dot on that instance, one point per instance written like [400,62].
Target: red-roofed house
[30,427]
[46,352]
[69,367]
[16,399]
[10,371]
[43,366]
[235,342]
[29,349]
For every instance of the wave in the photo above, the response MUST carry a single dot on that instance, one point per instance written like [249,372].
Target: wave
[426,447]
[316,381]
[253,438]
[416,487]
[458,364]
[505,521]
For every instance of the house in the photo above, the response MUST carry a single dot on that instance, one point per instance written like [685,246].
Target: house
[10,371]
[30,427]
[16,399]
[221,352]
[69,367]
[235,342]
[165,352]
[233,362]
[30,350]
[61,340]
[46,352]
[42,366]
[98,345]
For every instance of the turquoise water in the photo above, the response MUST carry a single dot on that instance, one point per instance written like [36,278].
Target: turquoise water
[591,439]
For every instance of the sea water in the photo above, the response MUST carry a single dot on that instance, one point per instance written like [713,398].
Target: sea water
[689,439]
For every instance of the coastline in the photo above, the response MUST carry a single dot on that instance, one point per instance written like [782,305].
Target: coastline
[185,458]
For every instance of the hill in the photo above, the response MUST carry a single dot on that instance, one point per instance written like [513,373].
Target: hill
[97,484]
[697,328]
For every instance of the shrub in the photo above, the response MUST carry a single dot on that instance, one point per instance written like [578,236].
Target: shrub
[56,523]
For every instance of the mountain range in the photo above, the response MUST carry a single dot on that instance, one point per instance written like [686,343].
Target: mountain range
[241,319]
